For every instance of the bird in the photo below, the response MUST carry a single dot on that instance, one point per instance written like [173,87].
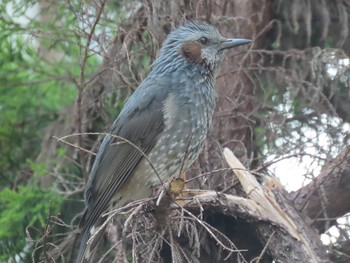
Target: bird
[162,127]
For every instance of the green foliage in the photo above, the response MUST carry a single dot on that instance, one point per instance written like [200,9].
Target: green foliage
[39,72]
[24,210]
[29,101]
[38,77]
[39,169]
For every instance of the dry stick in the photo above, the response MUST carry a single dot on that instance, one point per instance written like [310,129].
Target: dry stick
[127,222]
[172,247]
[136,210]
[81,83]
[120,138]
[111,214]
[109,250]
[160,196]
[344,154]
[129,205]
[181,223]
[157,244]
[74,146]
[267,164]
[341,253]
[207,228]
[201,209]
[208,173]
[265,247]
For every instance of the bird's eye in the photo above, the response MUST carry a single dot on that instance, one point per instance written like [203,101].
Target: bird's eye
[203,40]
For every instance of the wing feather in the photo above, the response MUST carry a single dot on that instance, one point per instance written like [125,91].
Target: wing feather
[117,160]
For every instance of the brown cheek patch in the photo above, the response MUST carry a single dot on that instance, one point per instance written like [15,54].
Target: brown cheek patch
[192,51]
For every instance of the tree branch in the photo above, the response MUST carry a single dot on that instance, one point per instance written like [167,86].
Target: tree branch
[327,197]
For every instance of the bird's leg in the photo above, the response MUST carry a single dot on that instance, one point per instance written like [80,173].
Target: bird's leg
[171,189]
[183,195]
[176,186]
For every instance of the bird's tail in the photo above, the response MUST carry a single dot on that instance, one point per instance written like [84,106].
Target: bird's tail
[83,246]
[86,249]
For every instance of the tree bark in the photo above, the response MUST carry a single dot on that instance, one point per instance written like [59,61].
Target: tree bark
[327,197]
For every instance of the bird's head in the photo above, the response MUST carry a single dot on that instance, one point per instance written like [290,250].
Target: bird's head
[195,43]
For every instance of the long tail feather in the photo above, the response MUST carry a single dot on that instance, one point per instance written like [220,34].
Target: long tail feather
[83,246]
[85,250]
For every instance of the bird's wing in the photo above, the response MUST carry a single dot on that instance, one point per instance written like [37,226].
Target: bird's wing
[140,122]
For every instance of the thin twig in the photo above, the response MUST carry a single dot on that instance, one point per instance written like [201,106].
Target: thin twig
[74,145]
[120,138]
[81,84]
[209,229]
[265,248]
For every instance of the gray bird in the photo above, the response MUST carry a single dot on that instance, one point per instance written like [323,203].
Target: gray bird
[168,117]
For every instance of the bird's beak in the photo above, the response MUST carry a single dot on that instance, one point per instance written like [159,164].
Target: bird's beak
[233,42]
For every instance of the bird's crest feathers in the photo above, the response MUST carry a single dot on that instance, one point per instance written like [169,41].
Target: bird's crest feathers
[193,43]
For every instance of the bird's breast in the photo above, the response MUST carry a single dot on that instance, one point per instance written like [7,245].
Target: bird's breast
[187,117]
